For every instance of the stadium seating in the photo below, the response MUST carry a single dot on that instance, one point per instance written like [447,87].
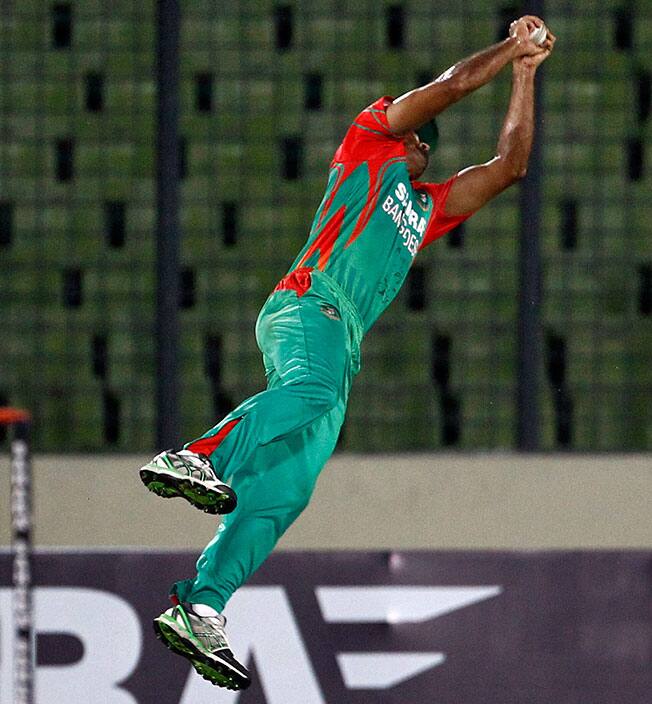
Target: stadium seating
[267,92]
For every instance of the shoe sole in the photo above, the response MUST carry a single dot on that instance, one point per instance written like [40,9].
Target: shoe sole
[216,673]
[221,500]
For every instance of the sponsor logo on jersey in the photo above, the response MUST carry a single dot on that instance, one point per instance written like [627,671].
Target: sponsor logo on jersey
[411,225]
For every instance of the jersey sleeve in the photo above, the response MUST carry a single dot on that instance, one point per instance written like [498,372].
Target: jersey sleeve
[439,223]
[370,137]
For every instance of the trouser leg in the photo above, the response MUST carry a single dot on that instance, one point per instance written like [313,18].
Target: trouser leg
[309,354]
[277,442]
[270,498]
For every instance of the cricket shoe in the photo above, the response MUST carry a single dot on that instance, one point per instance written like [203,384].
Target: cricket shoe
[202,640]
[191,476]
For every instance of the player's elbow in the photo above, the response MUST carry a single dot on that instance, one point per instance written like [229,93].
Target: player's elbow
[449,87]
[456,86]
[514,166]
[519,171]
[509,171]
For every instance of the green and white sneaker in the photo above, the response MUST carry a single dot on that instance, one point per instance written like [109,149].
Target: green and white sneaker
[196,632]
[191,476]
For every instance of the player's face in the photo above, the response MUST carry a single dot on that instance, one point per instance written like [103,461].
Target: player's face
[417,153]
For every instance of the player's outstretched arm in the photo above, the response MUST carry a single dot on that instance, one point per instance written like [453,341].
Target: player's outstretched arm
[413,109]
[477,185]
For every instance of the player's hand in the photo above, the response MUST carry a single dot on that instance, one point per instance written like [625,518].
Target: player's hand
[533,62]
[520,30]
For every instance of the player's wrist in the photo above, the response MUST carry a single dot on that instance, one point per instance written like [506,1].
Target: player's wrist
[515,47]
[523,69]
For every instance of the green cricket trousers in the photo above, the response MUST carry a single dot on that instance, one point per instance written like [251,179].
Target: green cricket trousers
[271,448]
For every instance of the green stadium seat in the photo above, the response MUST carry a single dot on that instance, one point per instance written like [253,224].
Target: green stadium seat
[235,155]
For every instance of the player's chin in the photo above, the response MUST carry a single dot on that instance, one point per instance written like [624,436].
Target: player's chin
[416,170]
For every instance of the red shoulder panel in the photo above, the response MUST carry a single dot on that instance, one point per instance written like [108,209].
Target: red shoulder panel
[439,223]
[369,137]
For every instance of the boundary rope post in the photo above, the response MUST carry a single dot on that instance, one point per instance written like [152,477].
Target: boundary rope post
[21,543]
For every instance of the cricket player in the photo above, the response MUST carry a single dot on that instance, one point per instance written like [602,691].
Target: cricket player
[373,220]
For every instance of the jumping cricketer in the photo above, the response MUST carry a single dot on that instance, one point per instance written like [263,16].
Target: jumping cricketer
[257,467]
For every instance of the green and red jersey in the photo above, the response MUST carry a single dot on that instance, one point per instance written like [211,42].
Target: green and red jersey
[373,220]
